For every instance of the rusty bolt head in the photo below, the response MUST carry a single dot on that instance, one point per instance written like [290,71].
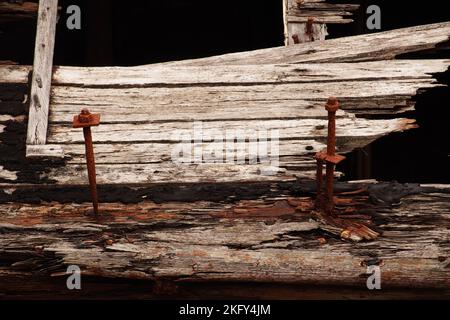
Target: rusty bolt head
[85,116]
[332,105]
[296,38]
[86,119]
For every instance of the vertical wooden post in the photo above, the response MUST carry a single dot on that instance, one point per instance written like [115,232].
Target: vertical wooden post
[286,22]
[42,72]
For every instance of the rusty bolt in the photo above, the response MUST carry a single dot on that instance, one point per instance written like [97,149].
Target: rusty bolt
[86,120]
[330,158]
[296,38]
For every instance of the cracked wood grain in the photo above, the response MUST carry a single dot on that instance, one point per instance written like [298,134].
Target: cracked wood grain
[260,240]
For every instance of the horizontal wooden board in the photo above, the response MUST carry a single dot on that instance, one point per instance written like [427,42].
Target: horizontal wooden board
[147,174]
[207,103]
[157,75]
[163,152]
[347,128]
[257,240]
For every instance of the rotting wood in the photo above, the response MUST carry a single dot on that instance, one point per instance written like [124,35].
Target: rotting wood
[258,240]
[42,72]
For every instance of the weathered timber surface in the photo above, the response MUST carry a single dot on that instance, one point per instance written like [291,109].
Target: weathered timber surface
[272,90]
[42,72]
[369,47]
[148,112]
[297,13]
[260,240]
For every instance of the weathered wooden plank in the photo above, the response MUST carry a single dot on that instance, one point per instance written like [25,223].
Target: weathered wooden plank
[167,173]
[42,72]
[369,47]
[347,128]
[204,103]
[14,74]
[113,113]
[261,240]
[163,152]
[45,151]
[297,104]
[157,75]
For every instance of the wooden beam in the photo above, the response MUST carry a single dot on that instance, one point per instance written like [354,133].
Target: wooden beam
[254,240]
[42,72]
[285,22]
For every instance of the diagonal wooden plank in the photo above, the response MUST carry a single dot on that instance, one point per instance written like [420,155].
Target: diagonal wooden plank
[367,47]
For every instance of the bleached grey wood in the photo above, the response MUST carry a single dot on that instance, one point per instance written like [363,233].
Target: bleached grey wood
[42,72]
[175,132]
[157,75]
[167,173]
[116,153]
[234,102]
[45,151]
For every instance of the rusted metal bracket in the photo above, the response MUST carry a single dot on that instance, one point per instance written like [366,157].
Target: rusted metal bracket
[86,120]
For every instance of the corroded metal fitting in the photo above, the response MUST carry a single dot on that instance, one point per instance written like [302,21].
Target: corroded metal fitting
[332,105]
[86,119]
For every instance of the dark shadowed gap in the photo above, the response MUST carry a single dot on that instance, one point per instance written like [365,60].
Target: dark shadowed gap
[143,32]
[421,155]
